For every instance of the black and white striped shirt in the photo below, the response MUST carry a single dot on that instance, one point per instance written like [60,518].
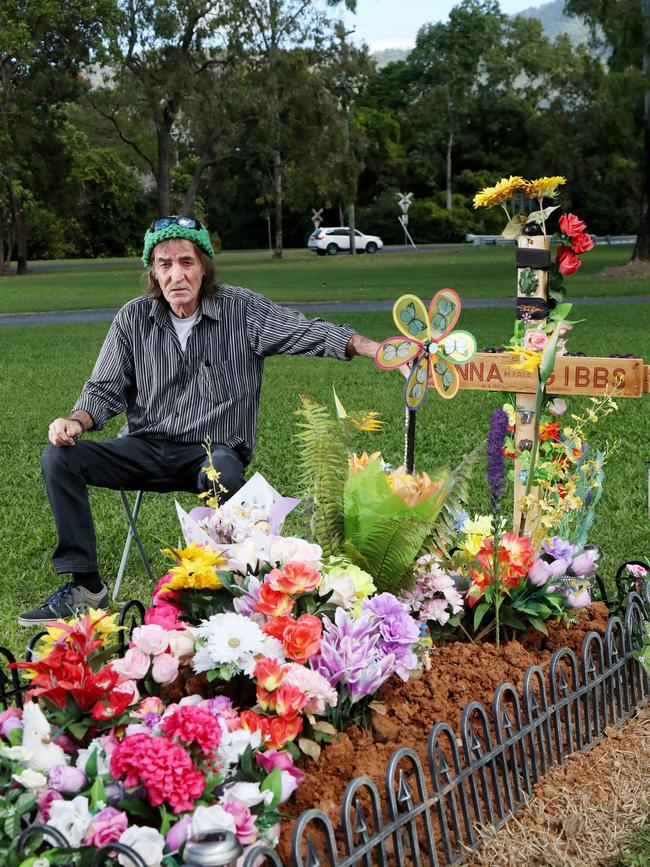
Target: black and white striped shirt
[212,389]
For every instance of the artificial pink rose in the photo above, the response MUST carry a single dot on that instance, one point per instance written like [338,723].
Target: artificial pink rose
[636,570]
[539,573]
[535,339]
[177,834]
[181,645]
[44,802]
[134,664]
[567,261]
[572,225]
[582,243]
[10,719]
[106,827]
[150,705]
[290,776]
[151,639]
[163,614]
[164,669]
[66,779]
[245,826]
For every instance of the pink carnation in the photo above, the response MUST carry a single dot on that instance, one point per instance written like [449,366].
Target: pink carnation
[320,692]
[245,826]
[106,827]
[164,769]
[193,725]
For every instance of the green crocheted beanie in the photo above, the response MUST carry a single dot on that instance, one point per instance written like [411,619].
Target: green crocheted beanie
[200,237]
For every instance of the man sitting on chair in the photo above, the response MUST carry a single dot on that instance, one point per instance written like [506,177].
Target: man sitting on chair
[185,363]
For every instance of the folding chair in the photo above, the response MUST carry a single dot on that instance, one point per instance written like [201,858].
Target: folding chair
[158,487]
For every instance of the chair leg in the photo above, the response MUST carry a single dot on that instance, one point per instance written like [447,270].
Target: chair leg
[132,517]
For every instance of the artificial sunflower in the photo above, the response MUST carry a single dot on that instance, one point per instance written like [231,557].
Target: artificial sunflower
[502,191]
[545,188]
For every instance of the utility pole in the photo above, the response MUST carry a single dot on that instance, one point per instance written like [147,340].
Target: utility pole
[345,108]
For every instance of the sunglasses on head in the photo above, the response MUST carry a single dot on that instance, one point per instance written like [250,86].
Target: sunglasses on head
[184,222]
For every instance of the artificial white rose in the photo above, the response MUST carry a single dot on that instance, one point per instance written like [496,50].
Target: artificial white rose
[287,549]
[31,779]
[147,842]
[181,644]
[205,820]
[344,593]
[233,744]
[71,818]
[248,793]
[95,746]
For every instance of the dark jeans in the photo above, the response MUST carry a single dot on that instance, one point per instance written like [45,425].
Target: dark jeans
[132,463]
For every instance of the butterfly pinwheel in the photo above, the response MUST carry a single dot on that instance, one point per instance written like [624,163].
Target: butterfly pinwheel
[430,343]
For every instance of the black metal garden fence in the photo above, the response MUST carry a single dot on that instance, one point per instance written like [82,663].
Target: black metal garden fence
[481,776]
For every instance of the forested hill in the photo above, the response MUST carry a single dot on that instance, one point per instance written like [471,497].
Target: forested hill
[554,23]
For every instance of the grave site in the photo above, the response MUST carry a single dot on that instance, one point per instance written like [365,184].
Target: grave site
[409,682]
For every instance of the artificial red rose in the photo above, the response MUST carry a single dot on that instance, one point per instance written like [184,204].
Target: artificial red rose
[567,261]
[252,722]
[572,225]
[279,731]
[295,578]
[582,243]
[302,638]
[272,603]
[289,701]
[275,627]
[269,673]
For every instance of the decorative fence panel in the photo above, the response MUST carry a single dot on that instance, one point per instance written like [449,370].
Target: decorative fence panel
[484,774]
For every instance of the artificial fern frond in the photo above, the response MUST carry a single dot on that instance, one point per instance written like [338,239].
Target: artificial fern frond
[443,531]
[387,548]
[322,459]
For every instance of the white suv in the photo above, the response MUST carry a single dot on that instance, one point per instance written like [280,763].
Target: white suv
[331,241]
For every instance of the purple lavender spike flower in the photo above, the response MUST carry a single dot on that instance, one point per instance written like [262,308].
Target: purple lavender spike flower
[496,467]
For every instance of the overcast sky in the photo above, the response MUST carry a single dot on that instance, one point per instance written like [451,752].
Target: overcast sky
[394,23]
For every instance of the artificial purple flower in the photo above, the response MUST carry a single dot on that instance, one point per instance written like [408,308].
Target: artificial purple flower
[539,573]
[585,563]
[245,604]
[559,567]
[577,597]
[349,655]
[398,630]
[496,467]
[558,547]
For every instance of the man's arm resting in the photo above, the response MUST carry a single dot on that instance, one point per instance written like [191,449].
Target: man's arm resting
[64,431]
[360,345]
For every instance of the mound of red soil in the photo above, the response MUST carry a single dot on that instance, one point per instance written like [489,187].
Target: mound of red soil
[460,672]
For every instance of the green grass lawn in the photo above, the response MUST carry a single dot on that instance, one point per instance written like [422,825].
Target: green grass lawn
[44,368]
[485,272]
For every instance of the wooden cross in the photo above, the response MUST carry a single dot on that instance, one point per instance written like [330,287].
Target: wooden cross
[628,377]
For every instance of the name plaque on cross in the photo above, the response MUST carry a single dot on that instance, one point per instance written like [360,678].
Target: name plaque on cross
[585,376]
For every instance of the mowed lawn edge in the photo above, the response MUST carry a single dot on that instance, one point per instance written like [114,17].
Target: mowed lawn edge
[485,272]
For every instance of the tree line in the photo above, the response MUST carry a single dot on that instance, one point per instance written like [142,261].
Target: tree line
[248,113]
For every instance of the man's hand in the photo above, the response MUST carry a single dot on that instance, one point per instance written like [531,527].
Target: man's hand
[359,345]
[65,431]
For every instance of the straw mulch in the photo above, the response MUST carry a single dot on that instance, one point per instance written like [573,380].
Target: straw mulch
[582,813]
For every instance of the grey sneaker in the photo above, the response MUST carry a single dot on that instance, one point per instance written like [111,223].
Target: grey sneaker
[69,600]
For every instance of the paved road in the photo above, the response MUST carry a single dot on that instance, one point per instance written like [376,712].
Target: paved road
[106,314]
